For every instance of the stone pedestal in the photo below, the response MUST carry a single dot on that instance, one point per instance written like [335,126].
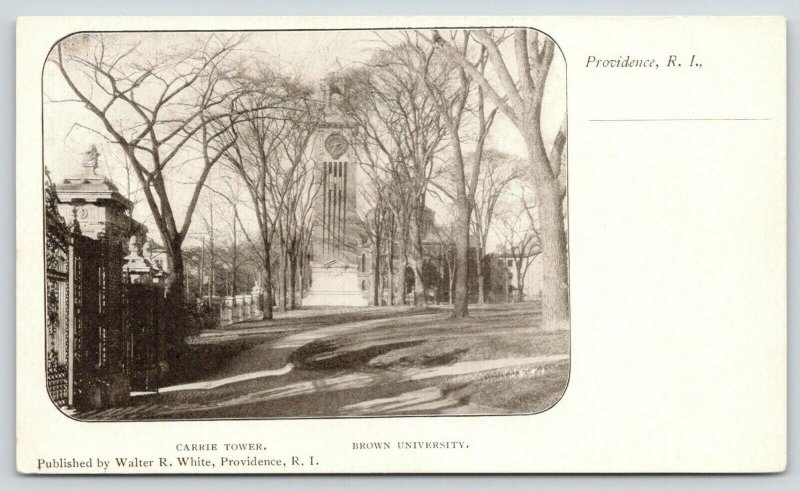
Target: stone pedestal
[258,300]
[226,311]
[239,308]
[335,284]
[136,267]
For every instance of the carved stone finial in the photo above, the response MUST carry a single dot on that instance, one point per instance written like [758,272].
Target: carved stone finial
[90,158]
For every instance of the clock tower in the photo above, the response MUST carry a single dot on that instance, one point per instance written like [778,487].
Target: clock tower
[338,234]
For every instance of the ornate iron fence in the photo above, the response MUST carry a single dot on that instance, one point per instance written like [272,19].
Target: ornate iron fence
[102,333]
[89,332]
[143,309]
[58,252]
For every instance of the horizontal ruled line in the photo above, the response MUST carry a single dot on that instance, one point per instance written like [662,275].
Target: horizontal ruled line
[675,119]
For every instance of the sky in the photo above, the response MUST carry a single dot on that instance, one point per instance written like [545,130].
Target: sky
[69,128]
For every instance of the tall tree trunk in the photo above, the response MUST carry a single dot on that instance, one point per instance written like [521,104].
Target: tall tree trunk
[390,272]
[200,270]
[301,280]
[437,290]
[460,306]
[479,272]
[284,271]
[376,273]
[174,282]
[419,284]
[451,285]
[402,274]
[211,278]
[278,286]
[268,312]
[401,281]
[235,280]
[549,196]
[506,283]
[175,328]
[555,281]
[418,259]
[292,277]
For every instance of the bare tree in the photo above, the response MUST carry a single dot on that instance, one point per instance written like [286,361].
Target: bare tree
[521,242]
[155,106]
[207,219]
[389,237]
[455,99]
[266,151]
[254,140]
[376,219]
[228,191]
[446,237]
[294,192]
[401,136]
[498,170]
[520,101]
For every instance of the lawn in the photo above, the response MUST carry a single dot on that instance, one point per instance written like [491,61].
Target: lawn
[368,362]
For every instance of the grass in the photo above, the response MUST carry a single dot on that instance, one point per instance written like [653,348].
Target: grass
[383,351]
[517,392]
[491,333]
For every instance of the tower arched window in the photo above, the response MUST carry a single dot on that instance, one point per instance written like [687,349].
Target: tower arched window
[363,262]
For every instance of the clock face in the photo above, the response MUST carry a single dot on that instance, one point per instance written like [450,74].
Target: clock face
[336,145]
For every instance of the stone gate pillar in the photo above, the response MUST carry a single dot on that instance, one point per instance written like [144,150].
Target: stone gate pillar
[95,203]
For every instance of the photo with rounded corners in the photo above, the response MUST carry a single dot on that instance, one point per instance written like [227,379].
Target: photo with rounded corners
[305,224]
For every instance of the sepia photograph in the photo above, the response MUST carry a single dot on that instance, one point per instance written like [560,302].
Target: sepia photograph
[305,223]
[343,244]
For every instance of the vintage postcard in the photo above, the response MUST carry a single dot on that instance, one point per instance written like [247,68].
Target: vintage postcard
[371,245]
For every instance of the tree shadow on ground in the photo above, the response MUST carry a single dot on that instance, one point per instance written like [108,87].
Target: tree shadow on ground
[324,355]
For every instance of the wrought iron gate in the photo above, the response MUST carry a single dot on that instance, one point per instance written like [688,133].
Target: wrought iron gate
[75,348]
[89,330]
[101,333]
[58,252]
[143,308]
